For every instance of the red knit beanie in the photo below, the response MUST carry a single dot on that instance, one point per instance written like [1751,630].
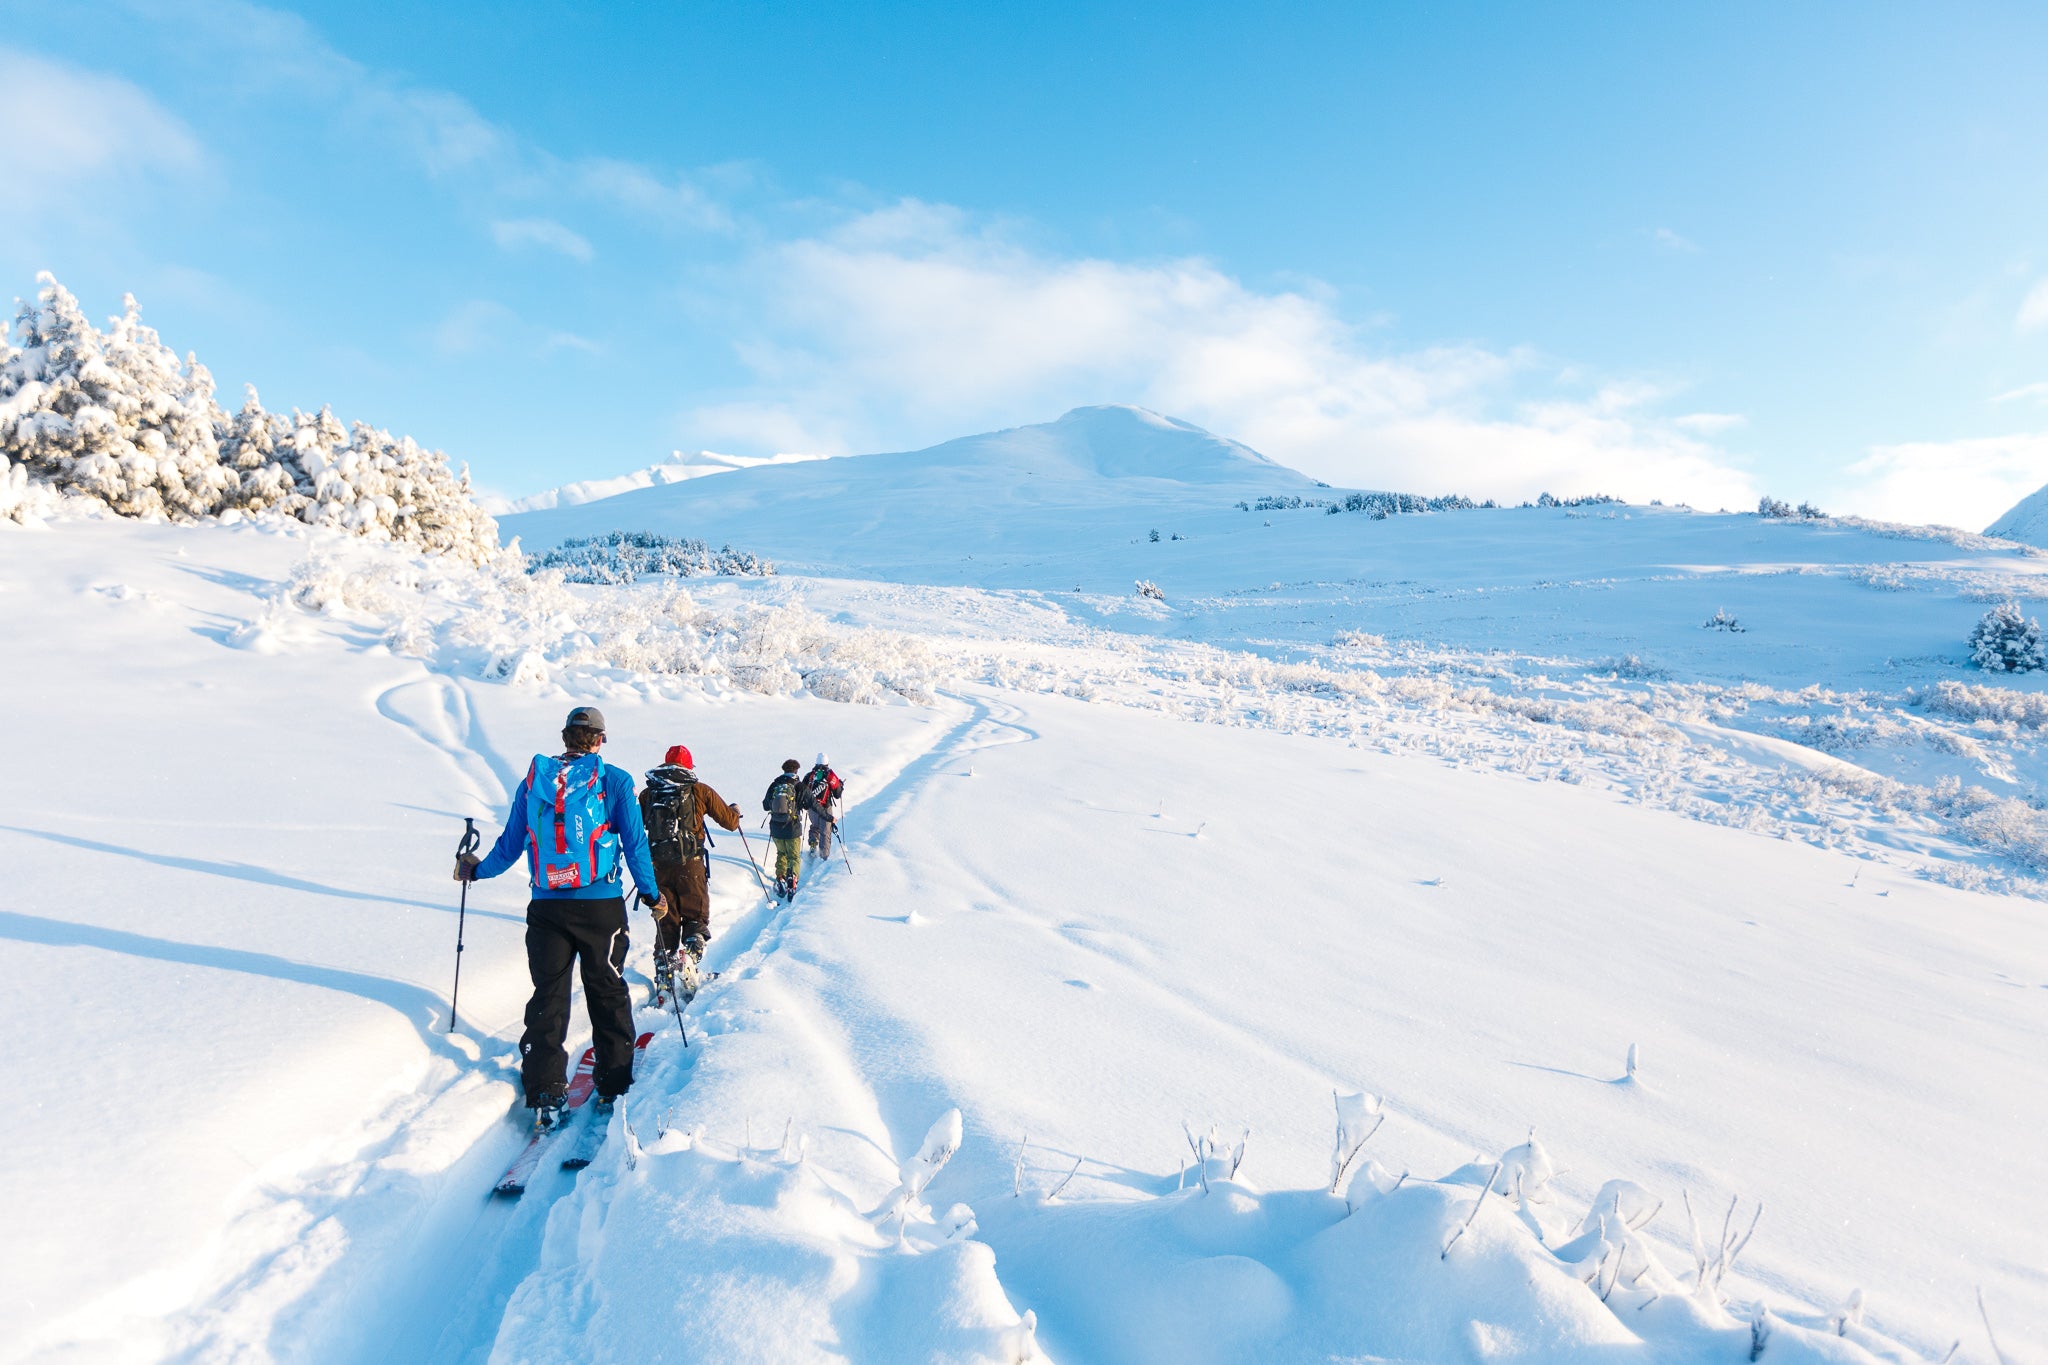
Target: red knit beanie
[680,757]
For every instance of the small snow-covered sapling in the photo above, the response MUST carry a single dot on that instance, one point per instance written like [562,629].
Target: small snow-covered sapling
[1710,1270]
[1358,1118]
[1633,1058]
[1445,1253]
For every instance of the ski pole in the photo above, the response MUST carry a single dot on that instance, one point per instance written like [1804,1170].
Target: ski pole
[751,863]
[842,846]
[470,839]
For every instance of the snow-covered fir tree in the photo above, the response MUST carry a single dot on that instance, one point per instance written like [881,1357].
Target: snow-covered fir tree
[2006,641]
[115,416]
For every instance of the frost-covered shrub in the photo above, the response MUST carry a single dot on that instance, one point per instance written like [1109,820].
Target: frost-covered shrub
[1273,503]
[1721,620]
[624,556]
[1966,703]
[1633,668]
[1588,500]
[1380,506]
[1776,508]
[2006,641]
[116,417]
[1147,588]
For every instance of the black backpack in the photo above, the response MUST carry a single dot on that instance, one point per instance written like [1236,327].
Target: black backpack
[670,804]
[782,800]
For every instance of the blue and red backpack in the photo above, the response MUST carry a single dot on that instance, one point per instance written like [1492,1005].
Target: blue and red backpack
[570,841]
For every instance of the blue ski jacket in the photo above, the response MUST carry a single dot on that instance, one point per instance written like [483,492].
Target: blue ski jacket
[622,811]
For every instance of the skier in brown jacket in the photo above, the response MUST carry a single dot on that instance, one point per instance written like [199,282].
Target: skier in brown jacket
[673,805]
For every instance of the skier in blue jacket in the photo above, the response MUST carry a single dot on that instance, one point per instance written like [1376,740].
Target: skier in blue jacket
[575,831]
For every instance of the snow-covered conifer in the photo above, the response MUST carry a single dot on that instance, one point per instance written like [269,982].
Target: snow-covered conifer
[256,447]
[2006,641]
[117,417]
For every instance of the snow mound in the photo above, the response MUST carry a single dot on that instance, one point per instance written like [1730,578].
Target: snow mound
[2025,521]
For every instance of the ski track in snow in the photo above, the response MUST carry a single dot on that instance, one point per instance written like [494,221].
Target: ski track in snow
[437,1290]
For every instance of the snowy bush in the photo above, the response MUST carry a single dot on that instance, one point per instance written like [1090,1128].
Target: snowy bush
[1775,508]
[1380,506]
[624,556]
[116,417]
[1147,588]
[1272,503]
[1721,620]
[1587,500]
[1961,701]
[2005,641]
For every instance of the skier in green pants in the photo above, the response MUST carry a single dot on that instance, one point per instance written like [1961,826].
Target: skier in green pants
[785,806]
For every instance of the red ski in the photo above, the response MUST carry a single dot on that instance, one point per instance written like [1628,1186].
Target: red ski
[581,1086]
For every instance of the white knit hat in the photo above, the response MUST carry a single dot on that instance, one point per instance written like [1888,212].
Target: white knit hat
[821,759]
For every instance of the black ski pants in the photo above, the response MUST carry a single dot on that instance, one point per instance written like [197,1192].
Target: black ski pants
[559,935]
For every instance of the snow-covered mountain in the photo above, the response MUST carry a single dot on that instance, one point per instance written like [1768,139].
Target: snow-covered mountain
[678,468]
[2025,521]
[953,512]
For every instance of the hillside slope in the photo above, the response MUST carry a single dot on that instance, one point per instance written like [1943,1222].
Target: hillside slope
[1097,475]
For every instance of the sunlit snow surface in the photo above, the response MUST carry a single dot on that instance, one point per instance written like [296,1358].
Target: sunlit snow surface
[1447,810]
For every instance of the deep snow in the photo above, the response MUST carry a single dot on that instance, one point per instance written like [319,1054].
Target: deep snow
[1133,865]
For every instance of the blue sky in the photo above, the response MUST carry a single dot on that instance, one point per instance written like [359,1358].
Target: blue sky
[1681,251]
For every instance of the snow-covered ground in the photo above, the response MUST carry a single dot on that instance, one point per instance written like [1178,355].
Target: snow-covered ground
[1459,812]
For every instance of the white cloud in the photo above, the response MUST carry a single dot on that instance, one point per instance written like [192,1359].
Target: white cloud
[2033,308]
[1672,241]
[1966,483]
[919,322]
[71,131]
[1708,423]
[483,326]
[2038,390]
[674,201]
[514,233]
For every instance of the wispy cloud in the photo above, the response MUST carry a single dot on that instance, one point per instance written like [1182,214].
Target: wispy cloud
[515,233]
[2033,308]
[73,130]
[669,201]
[484,326]
[1710,423]
[1672,241]
[2038,391]
[923,319]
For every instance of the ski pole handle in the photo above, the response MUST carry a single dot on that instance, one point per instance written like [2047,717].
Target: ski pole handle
[470,837]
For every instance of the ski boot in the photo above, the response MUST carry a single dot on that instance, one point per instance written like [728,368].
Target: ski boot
[692,978]
[549,1115]
[664,977]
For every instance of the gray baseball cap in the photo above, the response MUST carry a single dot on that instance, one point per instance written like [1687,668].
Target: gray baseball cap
[587,716]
